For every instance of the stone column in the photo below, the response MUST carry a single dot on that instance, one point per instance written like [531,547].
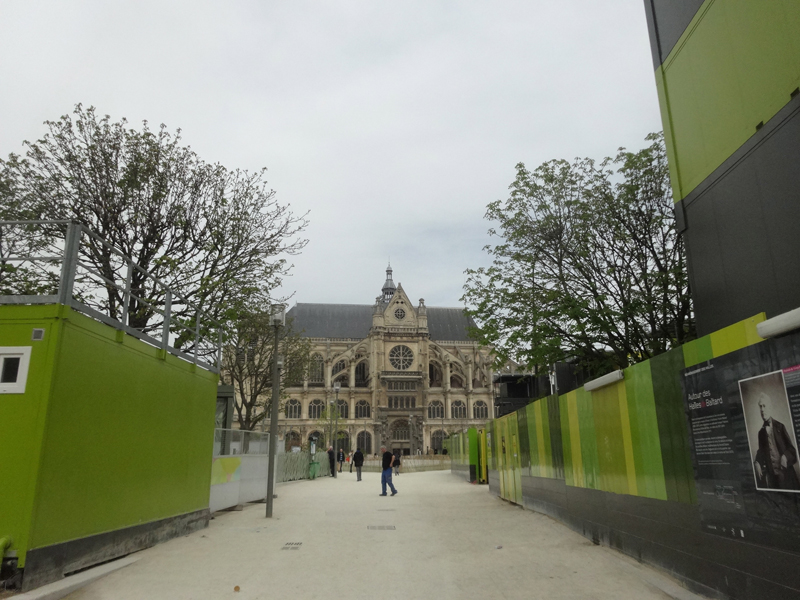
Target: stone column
[328,369]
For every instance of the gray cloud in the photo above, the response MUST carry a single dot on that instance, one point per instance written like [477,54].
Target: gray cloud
[393,123]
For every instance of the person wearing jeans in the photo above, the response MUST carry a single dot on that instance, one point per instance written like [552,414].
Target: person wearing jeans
[386,473]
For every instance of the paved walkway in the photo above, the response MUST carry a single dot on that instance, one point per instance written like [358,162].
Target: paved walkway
[449,540]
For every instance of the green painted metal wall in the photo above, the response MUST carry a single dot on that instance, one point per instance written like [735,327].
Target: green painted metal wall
[735,66]
[110,434]
[22,419]
[627,438]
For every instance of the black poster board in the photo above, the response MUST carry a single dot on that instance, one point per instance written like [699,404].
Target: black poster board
[743,413]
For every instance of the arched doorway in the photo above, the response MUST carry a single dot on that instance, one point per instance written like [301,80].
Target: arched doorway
[293,441]
[342,441]
[364,441]
[437,441]
[319,438]
[401,437]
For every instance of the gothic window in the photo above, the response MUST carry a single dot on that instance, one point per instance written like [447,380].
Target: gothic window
[339,366]
[480,410]
[402,402]
[399,314]
[293,409]
[401,357]
[362,374]
[402,386]
[315,409]
[343,409]
[364,442]
[459,410]
[362,409]
[434,375]
[400,431]
[437,440]
[436,410]
[343,380]
[456,382]
[292,440]
[316,370]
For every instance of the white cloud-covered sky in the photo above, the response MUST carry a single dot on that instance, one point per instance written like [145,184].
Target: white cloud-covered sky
[393,123]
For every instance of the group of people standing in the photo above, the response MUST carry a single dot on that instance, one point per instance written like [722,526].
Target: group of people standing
[389,462]
[356,459]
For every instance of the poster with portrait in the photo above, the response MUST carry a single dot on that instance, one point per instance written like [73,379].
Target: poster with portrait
[743,416]
[771,431]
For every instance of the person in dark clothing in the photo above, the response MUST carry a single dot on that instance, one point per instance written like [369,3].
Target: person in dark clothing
[396,464]
[332,461]
[358,462]
[340,458]
[386,472]
[776,457]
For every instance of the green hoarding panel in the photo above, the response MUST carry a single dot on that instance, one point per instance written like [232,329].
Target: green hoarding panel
[734,67]
[644,432]
[591,474]
[673,432]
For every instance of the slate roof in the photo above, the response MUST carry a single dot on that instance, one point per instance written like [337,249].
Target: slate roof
[355,320]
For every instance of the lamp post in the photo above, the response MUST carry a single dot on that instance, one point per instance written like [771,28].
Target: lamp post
[410,435]
[277,319]
[336,387]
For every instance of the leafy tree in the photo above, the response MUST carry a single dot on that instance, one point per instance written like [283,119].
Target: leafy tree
[247,364]
[220,238]
[588,266]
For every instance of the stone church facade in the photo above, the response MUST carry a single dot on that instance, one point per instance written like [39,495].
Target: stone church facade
[400,375]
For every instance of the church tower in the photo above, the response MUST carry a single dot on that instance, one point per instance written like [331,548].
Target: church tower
[388,286]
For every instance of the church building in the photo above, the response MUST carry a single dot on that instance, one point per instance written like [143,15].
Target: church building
[400,375]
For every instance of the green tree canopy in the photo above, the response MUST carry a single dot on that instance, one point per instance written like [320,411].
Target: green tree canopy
[587,267]
[218,237]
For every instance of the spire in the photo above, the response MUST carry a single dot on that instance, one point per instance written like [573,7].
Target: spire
[388,286]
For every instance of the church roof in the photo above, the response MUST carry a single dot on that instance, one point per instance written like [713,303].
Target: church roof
[355,321]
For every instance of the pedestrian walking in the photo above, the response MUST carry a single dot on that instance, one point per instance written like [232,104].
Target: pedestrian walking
[350,460]
[397,464]
[358,459]
[387,458]
[340,458]
[332,461]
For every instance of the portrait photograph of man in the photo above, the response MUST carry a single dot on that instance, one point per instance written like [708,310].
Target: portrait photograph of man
[770,433]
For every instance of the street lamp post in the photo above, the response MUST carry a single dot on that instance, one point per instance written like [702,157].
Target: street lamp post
[410,435]
[277,320]
[336,387]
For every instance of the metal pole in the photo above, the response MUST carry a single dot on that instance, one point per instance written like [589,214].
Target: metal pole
[336,431]
[167,317]
[273,423]
[72,244]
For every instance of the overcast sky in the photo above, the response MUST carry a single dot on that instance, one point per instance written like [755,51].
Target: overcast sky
[393,123]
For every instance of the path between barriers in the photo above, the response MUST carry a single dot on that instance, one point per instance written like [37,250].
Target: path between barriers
[440,537]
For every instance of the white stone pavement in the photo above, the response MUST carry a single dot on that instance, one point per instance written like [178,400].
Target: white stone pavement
[444,545]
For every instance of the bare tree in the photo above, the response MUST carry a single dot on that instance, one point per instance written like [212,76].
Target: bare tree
[218,237]
[247,364]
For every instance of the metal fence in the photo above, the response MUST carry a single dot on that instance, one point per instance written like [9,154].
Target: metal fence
[48,262]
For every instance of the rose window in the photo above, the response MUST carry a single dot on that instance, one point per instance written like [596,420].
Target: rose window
[401,357]
[399,314]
